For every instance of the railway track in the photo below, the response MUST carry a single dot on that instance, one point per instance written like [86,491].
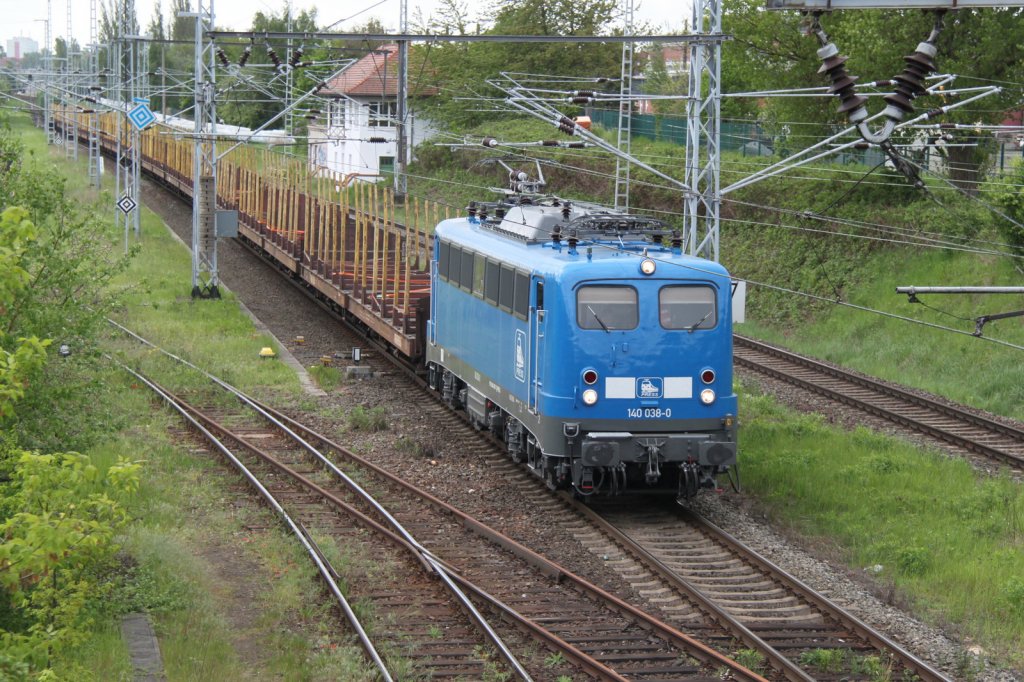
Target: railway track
[699,578]
[582,629]
[768,609]
[953,425]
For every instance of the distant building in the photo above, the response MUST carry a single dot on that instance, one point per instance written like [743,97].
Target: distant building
[359,134]
[18,47]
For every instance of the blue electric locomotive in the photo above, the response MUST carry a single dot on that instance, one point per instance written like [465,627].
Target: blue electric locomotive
[588,342]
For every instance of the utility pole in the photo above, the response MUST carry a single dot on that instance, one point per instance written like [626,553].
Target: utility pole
[625,129]
[204,170]
[703,127]
[402,112]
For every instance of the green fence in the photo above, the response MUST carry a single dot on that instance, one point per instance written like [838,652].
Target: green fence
[748,139]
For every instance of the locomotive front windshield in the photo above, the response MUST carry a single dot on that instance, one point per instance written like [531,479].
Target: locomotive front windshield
[607,307]
[687,307]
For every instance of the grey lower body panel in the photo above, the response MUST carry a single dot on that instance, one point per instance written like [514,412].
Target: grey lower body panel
[611,448]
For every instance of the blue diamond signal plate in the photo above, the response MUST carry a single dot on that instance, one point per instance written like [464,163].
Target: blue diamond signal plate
[141,116]
[126,204]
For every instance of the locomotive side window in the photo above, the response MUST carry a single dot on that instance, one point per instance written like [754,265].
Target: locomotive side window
[687,307]
[466,280]
[491,280]
[454,264]
[442,260]
[506,288]
[607,307]
[521,300]
[478,275]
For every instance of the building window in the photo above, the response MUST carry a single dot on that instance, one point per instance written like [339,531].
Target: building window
[383,114]
[336,113]
[386,164]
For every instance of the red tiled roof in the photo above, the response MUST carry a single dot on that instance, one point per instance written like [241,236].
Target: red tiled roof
[375,75]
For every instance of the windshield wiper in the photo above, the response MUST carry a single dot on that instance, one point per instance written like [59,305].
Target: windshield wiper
[603,325]
[700,321]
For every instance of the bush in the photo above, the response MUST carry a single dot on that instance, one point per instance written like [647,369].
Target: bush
[1006,191]
[913,561]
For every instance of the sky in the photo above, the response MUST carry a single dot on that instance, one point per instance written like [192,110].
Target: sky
[26,18]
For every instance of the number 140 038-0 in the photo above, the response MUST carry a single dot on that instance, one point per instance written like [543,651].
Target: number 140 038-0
[648,413]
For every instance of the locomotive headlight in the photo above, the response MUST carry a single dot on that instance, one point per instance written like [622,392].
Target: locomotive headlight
[589,396]
[707,396]
[648,266]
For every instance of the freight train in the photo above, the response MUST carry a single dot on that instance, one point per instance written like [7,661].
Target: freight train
[582,337]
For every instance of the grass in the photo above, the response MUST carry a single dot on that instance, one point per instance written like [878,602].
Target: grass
[949,538]
[963,368]
[327,378]
[373,419]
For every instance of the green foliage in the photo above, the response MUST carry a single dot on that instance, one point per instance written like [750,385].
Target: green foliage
[1013,595]
[56,265]
[373,419]
[1006,191]
[21,357]
[553,660]
[750,659]
[459,70]
[327,378]
[827,660]
[57,543]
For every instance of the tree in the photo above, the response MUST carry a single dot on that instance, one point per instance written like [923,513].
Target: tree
[61,261]
[459,70]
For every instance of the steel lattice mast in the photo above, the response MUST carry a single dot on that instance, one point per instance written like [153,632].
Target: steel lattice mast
[70,94]
[402,110]
[48,70]
[625,128]
[204,169]
[95,158]
[703,127]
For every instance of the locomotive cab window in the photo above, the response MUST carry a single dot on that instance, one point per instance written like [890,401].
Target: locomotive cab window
[687,307]
[607,307]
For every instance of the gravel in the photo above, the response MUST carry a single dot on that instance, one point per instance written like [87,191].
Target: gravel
[415,447]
